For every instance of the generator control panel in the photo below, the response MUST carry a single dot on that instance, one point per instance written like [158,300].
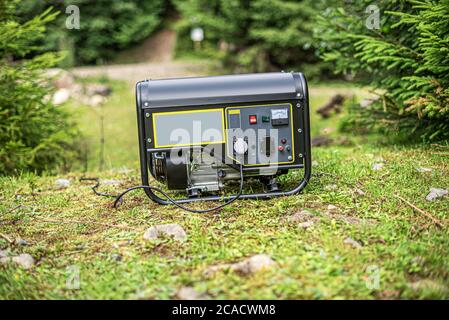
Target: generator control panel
[260,134]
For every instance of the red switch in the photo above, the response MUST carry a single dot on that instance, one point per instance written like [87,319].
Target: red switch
[252,119]
[281,148]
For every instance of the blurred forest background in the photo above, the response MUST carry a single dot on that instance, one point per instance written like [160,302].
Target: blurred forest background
[399,49]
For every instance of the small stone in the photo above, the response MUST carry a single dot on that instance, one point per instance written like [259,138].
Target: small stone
[111,182]
[301,216]
[20,242]
[62,183]
[330,187]
[343,141]
[423,170]
[61,96]
[346,219]
[60,78]
[248,266]
[25,260]
[429,286]
[331,207]
[366,103]
[253,264]
[188,293]
[352,242]
[377,166]
[360,192]
[436,193]
[307,224]
[327,130]
[96,100]
[98,89]
[211,270]
[5,260]
[315,163]
[321,141]
[172,230]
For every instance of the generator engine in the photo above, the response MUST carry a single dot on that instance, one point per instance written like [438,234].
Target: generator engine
[196,134]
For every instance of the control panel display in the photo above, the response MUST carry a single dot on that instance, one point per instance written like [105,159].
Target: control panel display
[267,133]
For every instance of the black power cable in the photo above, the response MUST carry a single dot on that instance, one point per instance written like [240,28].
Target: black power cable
[118,198]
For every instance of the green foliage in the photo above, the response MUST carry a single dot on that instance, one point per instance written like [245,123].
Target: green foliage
[256,36]
[34,135]
[105,26]
[407,61]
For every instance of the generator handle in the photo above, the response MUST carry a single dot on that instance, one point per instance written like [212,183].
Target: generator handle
[307,156]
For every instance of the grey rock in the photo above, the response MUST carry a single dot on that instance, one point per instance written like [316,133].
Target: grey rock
[254,264]
[61,96]
[304,219]
[248,266]
[60,78]
[436,193]
[331,187]
[62,183]
[346,219]
[173,230]
[353,243]
[111,182]
[301,216]
[307,224]
[25,260]
[20,242]
[96,100]
[4,259]
[98,89]
[366,103]
[377,166]
[331,207]
[429,286]
[359,192]
[189,293]
[321,141]
[423,170]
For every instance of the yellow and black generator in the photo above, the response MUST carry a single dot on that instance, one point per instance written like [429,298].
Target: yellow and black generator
[196,134]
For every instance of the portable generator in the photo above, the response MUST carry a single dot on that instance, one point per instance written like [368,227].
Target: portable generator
[197,134]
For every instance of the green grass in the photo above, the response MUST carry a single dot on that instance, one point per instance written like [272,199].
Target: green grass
[73,228]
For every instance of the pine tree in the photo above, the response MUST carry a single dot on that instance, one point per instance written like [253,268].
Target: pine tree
[106,26]
[406,61]
[256,35]
[34,135]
